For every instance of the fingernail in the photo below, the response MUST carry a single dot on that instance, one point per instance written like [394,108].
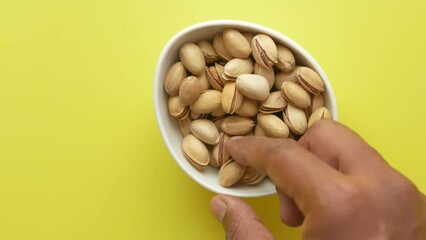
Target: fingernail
[218,207]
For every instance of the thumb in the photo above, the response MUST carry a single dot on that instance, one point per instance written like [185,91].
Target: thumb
[238,219]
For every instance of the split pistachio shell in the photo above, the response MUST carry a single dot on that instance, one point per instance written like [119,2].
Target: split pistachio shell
[184,126]
[192,58]
[274,103]
[296,120]
[267,73]
[310,80]
[214,78]
[249,108]
[222,152]
[218,113]
[317,101]
[177,109]
[253,86]
[252,176]
[295,94]
[210,55]
[194,116]
[190,90]
[264,50]
[207,102]
[174,78]
[230,173]
[195,151]
[249,37]
[205,130]
[231,98]
[272,126]
[286,61]
[220,48]
[214,157]
[282,77]
[205,85]
[236,67]
[320,113]
[258,131]
[237,125]
[236,44]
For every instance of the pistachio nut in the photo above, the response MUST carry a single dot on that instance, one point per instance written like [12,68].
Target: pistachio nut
[249,37]
[203,81]
[236,44]
[252,176]
[214,156]
[222,152]
[253,86]
[195,152]
[236,67]
[267,73]
[177,109]
[320,113]
[190,90]
[286,61]
[272,125]
[317,101]
[207,102]
[281,77]
[264,50]
[205,130]
[184,126]
[310,80]
[213,77]
[249,108]
[295,94]
[192,58]
[231,98]
[174,78]
[258,131]
[296,120]
[210,55]
[237,125]
[220,48]
[274,103]
[230,173]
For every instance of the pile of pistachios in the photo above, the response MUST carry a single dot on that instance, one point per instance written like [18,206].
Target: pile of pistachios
[239,84]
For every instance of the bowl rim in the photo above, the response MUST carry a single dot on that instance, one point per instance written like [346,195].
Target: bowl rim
[228,23]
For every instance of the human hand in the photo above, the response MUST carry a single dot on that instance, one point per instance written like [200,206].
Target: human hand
[331,183]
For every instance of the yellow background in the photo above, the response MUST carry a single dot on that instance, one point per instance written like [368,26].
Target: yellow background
[81,156]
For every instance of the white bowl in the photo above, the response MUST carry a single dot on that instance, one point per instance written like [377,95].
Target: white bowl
[168,125]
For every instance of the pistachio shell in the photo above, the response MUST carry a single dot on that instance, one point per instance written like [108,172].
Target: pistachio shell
[195,152]
[194,116]
[253,86]
[177,109]
[230,173]
[281,77]
[267,73]
[203,81]
[190,90]
[236,44]
[220,48]
[272,125]
[252,176]
[236,67]
[249,37]
[192,58]
[310,80]
[248,108]
[210,55]
[174,78]
[296,120]
[258,131]
[205,130]
[295,94]
[223,153]
[207,102]
[218,113]
[286,61]
[214,156]
[214,78]
[317,101]
[231,98]
[218,122]
[320,113]
[264,50]
[184,126]
[237,125]
[274,103]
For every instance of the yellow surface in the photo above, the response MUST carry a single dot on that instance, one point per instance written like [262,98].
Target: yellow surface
[81,156]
